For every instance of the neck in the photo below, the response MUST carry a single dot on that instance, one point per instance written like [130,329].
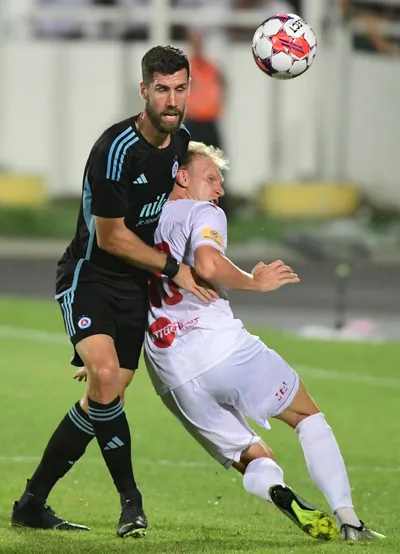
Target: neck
[179,194]
[154,137]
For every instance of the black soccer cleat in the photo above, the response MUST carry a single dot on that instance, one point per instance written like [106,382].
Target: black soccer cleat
[315,523]
[133,522]
[362,533]
[40,516]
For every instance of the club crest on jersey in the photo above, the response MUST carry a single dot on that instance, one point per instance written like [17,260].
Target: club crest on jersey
[84,322]
[175,169]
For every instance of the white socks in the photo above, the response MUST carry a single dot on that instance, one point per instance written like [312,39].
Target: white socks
[326,466]
[260,475]
[347,515]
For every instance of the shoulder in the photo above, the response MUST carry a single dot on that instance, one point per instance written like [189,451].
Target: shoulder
[184,135]
[119,135]
[207,211]
[180,142]
[113,148]
[177,210]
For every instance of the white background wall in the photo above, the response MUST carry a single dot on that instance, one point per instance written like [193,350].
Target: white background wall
[337,121]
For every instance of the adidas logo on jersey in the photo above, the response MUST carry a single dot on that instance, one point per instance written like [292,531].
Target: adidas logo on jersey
[141,180]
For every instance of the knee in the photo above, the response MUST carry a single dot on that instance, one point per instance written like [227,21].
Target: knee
[298,417]
[126,377]
[313,428]
[256,450]
[122,396]
[104,379]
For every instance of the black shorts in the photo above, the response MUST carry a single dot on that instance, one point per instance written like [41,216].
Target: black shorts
[97,309]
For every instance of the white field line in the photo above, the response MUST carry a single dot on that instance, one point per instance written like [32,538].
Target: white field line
[18,333]
[98,461]
[33,335]
[348,377]
[185,464]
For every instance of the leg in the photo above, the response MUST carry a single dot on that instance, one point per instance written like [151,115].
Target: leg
[66,446]
[125,379]
[69,441]
[111,427]
[108,315]
[322,454]
[262,387]
[253,452]
[225,434]
[324,461]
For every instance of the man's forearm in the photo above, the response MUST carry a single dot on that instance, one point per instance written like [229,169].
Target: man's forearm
[133,250]
[226,274]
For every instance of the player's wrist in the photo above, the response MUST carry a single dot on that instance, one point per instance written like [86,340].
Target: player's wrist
[171,267]
[253,284]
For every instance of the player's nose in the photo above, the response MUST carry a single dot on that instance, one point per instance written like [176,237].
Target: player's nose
[171,99]
[220,191]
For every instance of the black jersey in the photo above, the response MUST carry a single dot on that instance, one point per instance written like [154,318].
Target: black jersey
[125,176]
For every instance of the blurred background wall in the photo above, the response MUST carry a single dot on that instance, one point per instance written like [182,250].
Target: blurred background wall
[68,68]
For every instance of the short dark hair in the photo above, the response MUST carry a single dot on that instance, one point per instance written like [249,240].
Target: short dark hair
[165,60]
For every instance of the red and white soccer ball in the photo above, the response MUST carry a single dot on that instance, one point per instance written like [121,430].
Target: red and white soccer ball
[284,46]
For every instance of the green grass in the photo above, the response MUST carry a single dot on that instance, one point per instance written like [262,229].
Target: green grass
[57,219]
[192,504]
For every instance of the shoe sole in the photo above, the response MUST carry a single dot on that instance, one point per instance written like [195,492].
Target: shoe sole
[378,536]
[134,533]
[55,528]
[315,523]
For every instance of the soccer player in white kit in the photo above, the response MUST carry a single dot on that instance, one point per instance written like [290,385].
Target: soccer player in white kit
[211,373]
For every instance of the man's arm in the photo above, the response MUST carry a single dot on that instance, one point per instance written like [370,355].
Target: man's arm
[109,177]
[110,200]
[115,238]
[208,239]
[213,266]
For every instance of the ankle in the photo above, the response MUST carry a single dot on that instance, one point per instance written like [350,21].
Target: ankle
[32,499]
[132,495]
[347,516]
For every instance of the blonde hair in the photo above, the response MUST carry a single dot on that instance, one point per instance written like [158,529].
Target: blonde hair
[216,155]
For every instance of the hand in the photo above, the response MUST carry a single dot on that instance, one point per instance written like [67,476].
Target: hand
[81,374]
[273,276]
[187,279]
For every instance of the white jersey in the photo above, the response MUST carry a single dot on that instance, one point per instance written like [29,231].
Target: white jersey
[187,337]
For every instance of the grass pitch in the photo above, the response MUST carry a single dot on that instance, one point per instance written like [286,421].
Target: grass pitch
[193,505]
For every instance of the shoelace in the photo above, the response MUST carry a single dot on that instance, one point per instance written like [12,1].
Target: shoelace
[46,508]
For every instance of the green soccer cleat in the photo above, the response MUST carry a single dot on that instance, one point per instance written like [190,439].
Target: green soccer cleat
[362,533]
[314,522]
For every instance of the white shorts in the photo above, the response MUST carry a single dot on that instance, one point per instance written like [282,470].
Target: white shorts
[213,407]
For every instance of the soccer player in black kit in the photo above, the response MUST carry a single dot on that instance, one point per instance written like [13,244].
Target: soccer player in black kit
[102,286]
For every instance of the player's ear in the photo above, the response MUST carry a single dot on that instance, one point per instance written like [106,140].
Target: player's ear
[143,90]
[181,178]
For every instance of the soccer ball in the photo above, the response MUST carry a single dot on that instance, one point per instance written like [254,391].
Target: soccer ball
[284,46]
